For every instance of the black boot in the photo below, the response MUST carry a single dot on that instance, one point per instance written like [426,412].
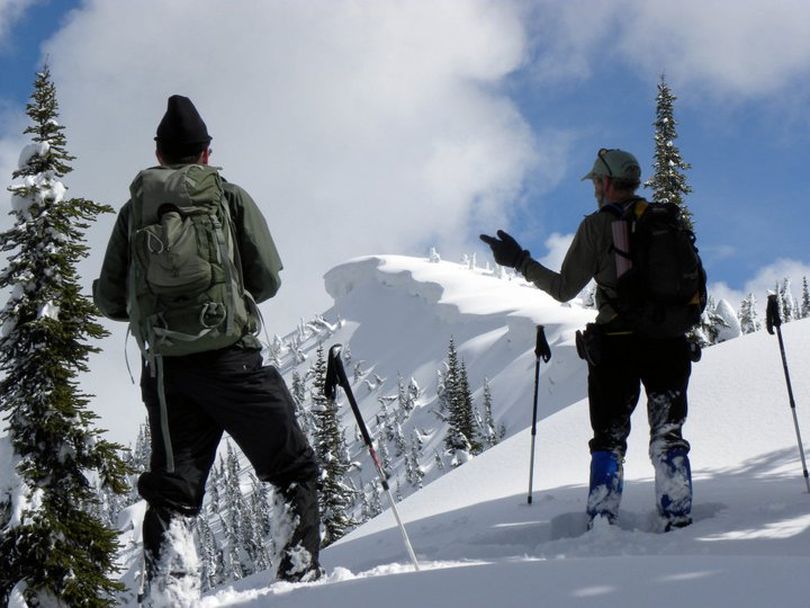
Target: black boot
[299,558]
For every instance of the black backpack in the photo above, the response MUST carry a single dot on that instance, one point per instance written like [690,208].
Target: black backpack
[663,291]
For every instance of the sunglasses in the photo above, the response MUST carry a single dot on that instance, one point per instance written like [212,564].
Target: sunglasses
[601,156]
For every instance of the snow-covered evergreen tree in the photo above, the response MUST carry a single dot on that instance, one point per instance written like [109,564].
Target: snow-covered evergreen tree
[788,307]
[375,498]
[461,439]
[668,181]
[749,319]
[236,518]
[489,431]
[707,331]
[805,305]
[730,326]
[298,390]
[52,549]
[336,498]
[211,565]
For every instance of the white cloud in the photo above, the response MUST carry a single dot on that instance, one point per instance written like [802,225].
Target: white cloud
[358,127]
[755,48]
[557,245]
[747,48]
[765,281]
[10,13]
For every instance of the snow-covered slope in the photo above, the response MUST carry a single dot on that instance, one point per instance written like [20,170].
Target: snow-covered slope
[398,313]
[479,542]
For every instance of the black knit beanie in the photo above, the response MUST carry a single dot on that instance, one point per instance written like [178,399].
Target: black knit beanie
[181,131]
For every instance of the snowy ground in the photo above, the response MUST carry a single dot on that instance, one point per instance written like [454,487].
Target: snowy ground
[480,544]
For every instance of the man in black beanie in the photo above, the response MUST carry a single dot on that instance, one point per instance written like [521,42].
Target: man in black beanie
[189,258]
[181,134]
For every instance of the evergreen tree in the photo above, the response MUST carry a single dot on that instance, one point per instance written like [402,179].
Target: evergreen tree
[490,433]
[454,440]
[336,499]
[467,409]
[413,394]
[437,459]
[788,306]
[375,499]
[668,181]
[707,331]
[210,555]
[805,309]
[138,461]
[461,439]
[56,550]
[240,564]
[749,321]
[383,452]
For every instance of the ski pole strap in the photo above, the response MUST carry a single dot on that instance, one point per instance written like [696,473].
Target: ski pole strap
[772,318]
[541,348]
[336,375]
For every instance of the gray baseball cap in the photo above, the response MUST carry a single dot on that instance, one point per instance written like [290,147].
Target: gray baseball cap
[615,163]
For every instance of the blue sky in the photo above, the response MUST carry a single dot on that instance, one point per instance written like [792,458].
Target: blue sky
[511,99]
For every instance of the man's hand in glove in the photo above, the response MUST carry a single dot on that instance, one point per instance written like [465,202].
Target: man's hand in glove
[506,250]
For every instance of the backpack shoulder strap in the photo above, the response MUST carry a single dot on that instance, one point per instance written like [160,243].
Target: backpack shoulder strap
[630,209]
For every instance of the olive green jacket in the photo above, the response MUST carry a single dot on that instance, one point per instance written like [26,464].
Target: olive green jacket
[590,256]
[261,263]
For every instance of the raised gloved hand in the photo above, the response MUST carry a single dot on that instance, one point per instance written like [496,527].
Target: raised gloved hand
[506,250]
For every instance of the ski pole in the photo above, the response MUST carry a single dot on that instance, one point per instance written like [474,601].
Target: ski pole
[541,351]
[336,374]
[774,320]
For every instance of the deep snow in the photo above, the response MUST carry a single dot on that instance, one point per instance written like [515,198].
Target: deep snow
[480,544]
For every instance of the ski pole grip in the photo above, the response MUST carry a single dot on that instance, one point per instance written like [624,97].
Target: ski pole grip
[541,348]
[772,318]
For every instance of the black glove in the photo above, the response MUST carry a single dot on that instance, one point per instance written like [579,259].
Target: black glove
[507,251]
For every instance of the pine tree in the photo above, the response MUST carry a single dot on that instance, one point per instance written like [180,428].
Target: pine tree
[235,533]
[138,461]
[454,440]
[749,321]
[56,550]
[668,181]
[210,555]
[467,409]
[336,499]
[375,499]
[383,451]
[805,309]
[788,306]
[707,331]
[489,431]
[461,439]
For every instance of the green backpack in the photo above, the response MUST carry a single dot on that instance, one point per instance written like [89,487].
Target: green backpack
[186,291]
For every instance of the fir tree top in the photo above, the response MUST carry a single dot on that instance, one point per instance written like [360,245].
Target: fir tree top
[43,110]
[668,181]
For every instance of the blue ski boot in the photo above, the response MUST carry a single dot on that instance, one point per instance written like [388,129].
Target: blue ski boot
[605,492]
[673,488]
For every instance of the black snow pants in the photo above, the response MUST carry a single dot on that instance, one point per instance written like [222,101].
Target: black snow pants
[625,362]
[207,394]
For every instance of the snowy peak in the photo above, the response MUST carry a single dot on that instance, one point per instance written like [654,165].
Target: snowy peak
[468,288]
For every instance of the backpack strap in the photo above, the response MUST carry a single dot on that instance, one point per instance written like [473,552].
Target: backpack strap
[620,210]
[237,258]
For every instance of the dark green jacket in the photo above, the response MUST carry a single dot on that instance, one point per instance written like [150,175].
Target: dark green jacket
[590,256]
[261,263]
